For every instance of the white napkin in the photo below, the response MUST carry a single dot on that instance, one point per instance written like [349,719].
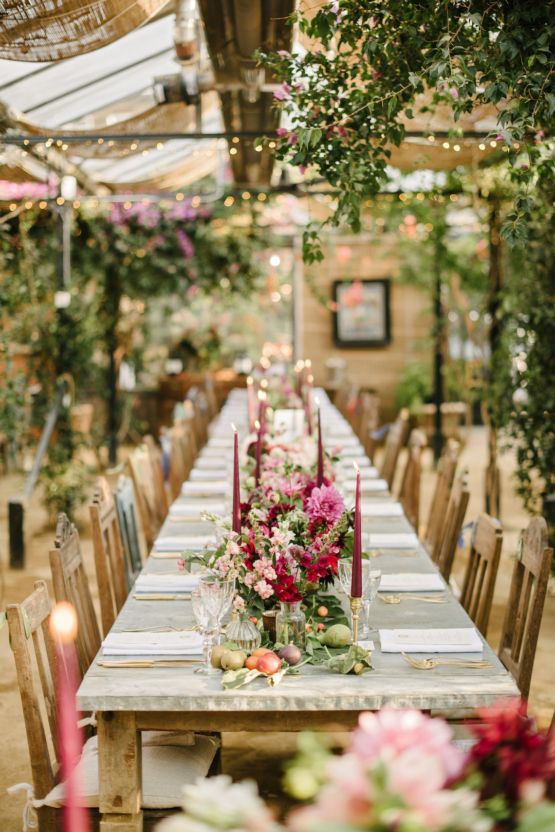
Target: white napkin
[182,543]
[344,441]
[377,508]
[152,644]
[208,452]
[209,463]
[370,486]
[204,475]
[151,582]
[392,540]
[363,463]
[412,582]
[194,510]
[456,640]
[221,441]
[202,489]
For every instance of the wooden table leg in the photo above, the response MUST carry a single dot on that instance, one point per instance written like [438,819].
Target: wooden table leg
[119,752]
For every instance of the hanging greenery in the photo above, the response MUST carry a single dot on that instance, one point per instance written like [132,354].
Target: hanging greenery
[522,393]
[121,257]
[350,95]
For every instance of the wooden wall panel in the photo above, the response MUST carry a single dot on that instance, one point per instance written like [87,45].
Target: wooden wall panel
[381,367]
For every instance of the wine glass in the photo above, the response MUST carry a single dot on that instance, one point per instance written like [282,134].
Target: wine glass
[370,594]
[345,572]
[206,622]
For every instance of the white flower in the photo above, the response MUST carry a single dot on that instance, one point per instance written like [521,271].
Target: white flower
[221,804]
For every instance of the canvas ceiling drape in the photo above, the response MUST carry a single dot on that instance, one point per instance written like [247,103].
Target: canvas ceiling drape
[49,30]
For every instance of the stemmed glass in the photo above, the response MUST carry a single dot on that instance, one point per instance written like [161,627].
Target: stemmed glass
[211,600]
[370,585]
[370,594]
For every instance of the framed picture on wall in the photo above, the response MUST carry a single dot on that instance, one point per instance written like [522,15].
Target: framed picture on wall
[361,316]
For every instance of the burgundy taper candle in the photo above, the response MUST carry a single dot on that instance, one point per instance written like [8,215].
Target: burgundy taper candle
[320,470]
[258,453]
[251,405]
[63,626]
[356,577]
[236,513]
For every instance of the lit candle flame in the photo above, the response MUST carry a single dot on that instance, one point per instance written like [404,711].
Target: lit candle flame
[256,424]
[250,380]
[63,623]
[261,396]
[233,428]
[316,401]
[357,469]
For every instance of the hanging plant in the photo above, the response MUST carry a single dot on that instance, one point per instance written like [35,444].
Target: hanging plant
[373,64]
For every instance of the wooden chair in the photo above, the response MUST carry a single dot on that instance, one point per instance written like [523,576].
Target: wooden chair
[32,644]
[181,457]
[183,757]
[200,415]
[126,508]
[71,584]
[445,477]
[113,574]
[453,523]
[159,477]
[369,420]
[521,629]
[481,570]
[210,392]
[409,492]
[394,441]
[142,475]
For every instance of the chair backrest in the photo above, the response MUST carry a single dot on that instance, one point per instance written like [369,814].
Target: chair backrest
[445,477]
[71,584]
[523,617]
[409,492]
[394,441]
[128,525]
[210,392]
[453,523]
[35,663]
[200,415]
[481,570]
[155,455]
[181,457]
[112,576]
[148,482]
[369,419]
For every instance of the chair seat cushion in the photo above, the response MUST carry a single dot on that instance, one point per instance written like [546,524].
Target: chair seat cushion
[166,769]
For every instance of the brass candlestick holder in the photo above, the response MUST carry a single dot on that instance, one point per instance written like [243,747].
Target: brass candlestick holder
[356,606]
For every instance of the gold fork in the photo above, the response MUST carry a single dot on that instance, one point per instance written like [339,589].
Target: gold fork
[430,664]
[427,599]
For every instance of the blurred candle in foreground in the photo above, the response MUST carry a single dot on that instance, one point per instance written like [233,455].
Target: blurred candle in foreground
[356,578]
[320,468]
[299,367]
[63,626]
[262,396]
[236,511]
[251,404]
[308,409]
[258,453]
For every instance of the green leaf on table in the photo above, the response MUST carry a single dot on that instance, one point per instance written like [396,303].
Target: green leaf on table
[238,678]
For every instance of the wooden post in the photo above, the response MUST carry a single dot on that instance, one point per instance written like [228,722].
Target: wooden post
[439,324]
[113,297]
[492,487]
[119,747]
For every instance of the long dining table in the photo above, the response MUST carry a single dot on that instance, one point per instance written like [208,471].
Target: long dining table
[128,700]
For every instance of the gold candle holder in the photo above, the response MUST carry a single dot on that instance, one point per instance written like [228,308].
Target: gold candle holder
[356,606]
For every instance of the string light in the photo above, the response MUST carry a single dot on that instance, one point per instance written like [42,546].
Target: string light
[228,201]
[262,197]
[481,146]
[13,206]
[232,151]
[100,141]
[42,205]
[60,200]
[445,145]
[65,146]
[127,205]
[180,197]
[456,147]
[246,195]
[160,145]
[235,140]
[493,143]
[271,144]
[195,202]
[77,204]
[431,138]
[258,148]
[133,146]
[25,141]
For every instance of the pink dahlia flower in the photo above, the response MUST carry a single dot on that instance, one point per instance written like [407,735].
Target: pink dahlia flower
[325,505]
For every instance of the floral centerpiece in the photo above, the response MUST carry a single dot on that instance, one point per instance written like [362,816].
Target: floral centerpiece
[293,533]
[401,772]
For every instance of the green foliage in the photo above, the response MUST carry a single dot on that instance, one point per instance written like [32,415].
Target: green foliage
[522,393]
[347,97]
[65,486]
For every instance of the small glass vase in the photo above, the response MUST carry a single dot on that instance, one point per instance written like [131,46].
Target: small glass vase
[243,632]
[291,624]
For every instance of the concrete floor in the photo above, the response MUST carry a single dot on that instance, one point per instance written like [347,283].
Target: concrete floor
[262,754]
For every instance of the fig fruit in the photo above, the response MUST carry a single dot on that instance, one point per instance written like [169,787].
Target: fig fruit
[290,654]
